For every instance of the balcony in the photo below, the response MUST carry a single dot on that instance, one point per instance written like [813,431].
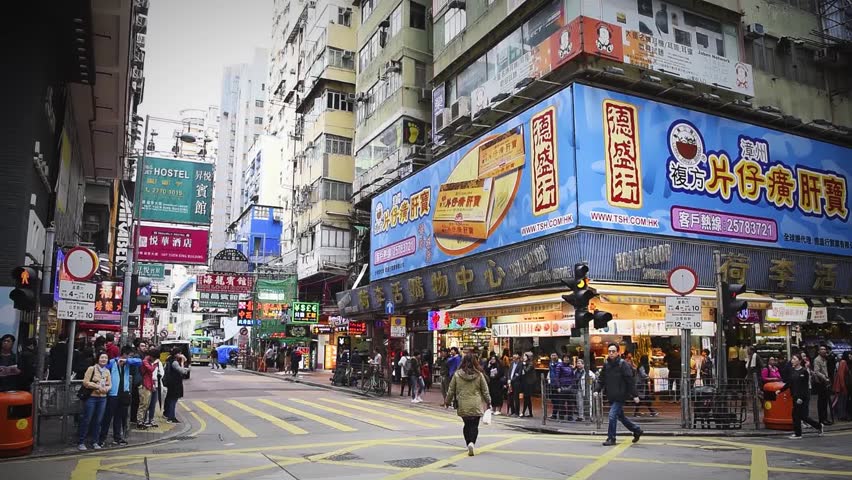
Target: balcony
[324,260]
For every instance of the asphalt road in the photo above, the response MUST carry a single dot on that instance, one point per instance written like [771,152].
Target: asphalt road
[251,427]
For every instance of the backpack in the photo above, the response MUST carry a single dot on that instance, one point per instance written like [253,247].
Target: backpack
[169,374]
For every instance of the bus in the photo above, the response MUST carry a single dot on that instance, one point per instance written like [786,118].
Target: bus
[200,346]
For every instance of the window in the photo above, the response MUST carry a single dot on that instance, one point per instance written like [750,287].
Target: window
[337,101]
[455,20]
[339,191]
[262,87]
[258,103]
[396,21]
[335,237]
[258,120]
[338,145]
[340,58]
[344,16]
[418,16]
[420,79]
[366,10]
[261,213]
[785,60]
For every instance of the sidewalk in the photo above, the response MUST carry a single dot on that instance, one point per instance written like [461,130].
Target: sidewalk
[667,424]
[52,444]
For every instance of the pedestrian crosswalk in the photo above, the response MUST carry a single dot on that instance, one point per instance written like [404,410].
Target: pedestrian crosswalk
[251,417]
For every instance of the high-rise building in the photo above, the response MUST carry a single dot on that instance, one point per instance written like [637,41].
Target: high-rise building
[312,75]
[240,125]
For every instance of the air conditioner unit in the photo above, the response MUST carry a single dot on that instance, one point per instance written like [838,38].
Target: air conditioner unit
[277,215]
[361,97]
[459,4]
[309,145]
[347,55]
[393,67]
[425,95]
[460,111]
[312,4]
[439,121]
[754,30]
[443,120]
[351,97]
[384,23]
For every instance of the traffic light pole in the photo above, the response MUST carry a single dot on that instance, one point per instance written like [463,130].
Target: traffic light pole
[721,351]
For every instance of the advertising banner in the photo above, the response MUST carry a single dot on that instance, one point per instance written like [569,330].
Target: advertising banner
[305,312]
[225,283]
[441,320]
[274,298]
[176,191]
[122,218]
[512,184]
[108,298]
[670,171]
[173,244]
[657,35]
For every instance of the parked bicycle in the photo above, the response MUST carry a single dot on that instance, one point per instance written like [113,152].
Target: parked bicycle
[374,382]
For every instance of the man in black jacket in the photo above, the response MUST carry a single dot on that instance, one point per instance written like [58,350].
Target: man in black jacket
[616,378]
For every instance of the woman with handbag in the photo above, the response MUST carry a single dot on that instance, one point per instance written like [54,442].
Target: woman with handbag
[93,393]
[470,389]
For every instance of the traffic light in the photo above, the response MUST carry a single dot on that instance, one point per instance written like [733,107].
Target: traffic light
[25,294]
[580,296]
[730,305]
[140,291]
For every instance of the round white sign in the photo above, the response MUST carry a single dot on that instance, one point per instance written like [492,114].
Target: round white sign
[81,263]
[683,280]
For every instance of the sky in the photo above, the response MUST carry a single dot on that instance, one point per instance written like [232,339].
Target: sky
[189,43]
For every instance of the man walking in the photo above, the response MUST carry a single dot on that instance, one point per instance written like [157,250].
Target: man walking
[821,382]
[616,379]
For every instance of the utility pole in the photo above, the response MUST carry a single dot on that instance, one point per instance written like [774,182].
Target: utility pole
[46,296]
[721,351]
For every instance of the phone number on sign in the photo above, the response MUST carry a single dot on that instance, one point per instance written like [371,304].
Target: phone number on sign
[694,220]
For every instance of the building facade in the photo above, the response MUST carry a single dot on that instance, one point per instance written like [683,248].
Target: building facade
[634,137]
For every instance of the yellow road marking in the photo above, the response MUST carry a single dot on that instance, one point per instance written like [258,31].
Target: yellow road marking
[417,412]
[183,405]
[269,418]
[759,467]
[225,420]
[384,414]
[202,424]
[309,416]
[137,473]
[811,471]
[411,472]
[602,461]
[86,469]
[346,414]
[360,465]
[259,468]
[770,448]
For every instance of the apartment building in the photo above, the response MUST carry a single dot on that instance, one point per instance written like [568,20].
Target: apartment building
[313,73]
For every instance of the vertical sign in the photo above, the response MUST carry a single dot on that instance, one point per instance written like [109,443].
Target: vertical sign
[176,191]
[123,217]
[621,143]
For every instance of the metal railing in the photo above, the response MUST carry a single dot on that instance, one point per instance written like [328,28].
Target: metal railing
[53,399]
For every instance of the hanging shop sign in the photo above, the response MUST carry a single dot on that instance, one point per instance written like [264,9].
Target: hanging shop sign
[305,312]
[322,329]
[159,300]
[230,260]
[357,328]
[218,300]
[108,301]
[502,188]
[708,177]
[298,331]
[788,312]
[176,191]
[122,219]
[158,243]
[441,320]
[225,283]
[274,297]
[245,310]
[154,271]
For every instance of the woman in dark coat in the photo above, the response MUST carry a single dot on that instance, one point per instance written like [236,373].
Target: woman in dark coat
[494,372]
[528,384]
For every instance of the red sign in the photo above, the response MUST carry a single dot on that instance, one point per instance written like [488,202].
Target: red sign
[173,245]
[225,283]
[245,310]
[603,39]
[357,328]
[108,300]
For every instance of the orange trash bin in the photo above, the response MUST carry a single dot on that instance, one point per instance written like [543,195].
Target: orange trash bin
[778,413]
[16,423]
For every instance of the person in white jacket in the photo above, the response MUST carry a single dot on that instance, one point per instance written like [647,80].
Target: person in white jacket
[583,379]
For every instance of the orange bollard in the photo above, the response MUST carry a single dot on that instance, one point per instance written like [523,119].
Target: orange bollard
[16,423]
[778,413]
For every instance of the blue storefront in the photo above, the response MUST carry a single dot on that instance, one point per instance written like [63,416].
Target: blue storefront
[634,188]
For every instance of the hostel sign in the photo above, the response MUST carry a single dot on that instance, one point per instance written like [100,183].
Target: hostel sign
[176,191]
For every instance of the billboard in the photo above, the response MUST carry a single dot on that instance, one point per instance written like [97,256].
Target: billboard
[655,168]
[176,191]
[657,35]
[512,184]
[159,243]
[108,300]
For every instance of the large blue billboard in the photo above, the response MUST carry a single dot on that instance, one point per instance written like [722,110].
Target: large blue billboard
[649,167]
[512,184]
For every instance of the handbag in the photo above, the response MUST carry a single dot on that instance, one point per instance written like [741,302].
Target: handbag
[85,392]
[486,417]
[124,398]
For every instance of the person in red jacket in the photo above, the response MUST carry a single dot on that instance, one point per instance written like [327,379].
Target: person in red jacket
[112,350]
[144,415]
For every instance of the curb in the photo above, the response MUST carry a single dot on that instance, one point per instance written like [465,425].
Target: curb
[172,434]
[735,433]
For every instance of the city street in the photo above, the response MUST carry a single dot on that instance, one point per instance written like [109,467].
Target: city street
[252,427]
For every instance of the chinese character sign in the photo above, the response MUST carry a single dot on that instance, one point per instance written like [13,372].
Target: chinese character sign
[708,177]
[511,184]
[305,312]
[225,283]
[245,310]
[173,244]
[176,191]
[108,300]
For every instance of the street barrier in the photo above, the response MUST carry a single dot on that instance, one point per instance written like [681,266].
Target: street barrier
[54,400]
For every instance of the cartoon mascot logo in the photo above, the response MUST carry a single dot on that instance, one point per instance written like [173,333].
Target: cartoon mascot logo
[604,40]
[686,144]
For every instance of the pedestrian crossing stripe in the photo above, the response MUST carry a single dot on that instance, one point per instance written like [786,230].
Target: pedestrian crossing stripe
[384,414]
[308,415]
[346,414]
[269,418]
[410,411]
[225,420]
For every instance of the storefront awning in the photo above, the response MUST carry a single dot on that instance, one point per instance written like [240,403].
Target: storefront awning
[609,293]
[509,306]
